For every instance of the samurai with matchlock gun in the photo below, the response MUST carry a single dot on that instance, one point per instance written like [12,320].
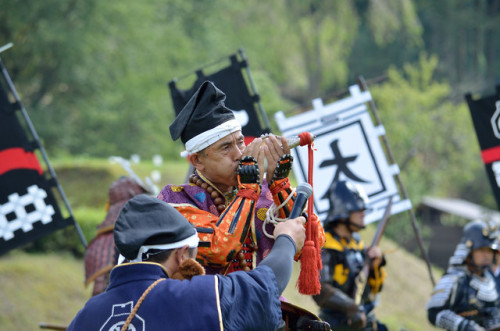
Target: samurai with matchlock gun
[236,192]
[466,297]
[352,276]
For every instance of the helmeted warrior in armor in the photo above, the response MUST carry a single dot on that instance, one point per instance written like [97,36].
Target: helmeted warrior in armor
[466,297]
[343,257]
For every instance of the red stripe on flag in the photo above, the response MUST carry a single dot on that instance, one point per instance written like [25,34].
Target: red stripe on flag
[248,139]
[491,154]
[18,158]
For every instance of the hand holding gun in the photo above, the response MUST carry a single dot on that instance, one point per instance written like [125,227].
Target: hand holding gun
[373,254]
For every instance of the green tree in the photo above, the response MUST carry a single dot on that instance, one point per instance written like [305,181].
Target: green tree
[432,138]
[464,34]
[390,34]
[93,74]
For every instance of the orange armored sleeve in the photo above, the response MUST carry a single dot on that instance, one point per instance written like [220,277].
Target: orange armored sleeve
[222,237]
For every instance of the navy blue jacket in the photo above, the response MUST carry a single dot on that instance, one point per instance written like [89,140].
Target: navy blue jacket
[238,301]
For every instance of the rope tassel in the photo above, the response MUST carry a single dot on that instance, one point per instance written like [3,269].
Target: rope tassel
[310,260]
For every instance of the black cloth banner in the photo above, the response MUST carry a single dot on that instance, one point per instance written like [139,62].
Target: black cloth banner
[28,208]
[231,81]
[485,113]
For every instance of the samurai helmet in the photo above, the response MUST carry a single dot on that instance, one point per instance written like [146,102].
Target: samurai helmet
[345,197]
[476,234]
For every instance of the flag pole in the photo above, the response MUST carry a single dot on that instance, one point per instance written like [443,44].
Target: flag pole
[416,230]
[254,89]
[40,147]
[6,47]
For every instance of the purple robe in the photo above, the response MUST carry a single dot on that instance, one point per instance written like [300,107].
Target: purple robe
[200,198]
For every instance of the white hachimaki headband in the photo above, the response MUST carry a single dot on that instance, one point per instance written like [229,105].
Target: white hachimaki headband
[207,138]
[191,241]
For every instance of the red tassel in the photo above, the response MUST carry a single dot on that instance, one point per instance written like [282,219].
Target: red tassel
[314,225]
[310,260]
[308,282]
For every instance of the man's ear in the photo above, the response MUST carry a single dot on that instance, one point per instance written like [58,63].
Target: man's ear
[181,254]
[197,161]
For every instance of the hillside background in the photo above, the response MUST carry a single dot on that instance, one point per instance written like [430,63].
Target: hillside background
[93,77]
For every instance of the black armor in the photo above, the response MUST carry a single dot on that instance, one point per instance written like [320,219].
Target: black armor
[462,299]
[346,297]
[342,262]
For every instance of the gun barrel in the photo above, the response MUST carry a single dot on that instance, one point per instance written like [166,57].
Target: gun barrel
[293,141]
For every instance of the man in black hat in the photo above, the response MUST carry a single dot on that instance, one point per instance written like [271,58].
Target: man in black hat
[228,199]
[163,287]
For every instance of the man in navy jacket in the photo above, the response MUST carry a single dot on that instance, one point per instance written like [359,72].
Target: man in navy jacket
[162,287]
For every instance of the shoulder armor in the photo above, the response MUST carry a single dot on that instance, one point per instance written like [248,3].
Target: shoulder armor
[332,243]
[486,288]
[443,291]
[340,244]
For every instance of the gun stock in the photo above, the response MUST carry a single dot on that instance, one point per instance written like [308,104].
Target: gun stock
[362,278]
[48,326]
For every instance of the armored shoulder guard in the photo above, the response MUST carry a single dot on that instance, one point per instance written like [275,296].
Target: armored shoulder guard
[443,291]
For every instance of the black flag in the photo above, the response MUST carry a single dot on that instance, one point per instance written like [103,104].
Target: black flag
[28,208]
[238,98]
[485,113]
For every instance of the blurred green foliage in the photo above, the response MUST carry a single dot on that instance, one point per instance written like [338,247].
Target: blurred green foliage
[92,75]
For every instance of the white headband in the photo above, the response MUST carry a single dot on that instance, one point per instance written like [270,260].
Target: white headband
[207,138]
[191,241]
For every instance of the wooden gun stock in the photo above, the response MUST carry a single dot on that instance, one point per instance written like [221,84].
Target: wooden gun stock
[362,278]
[51,326]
